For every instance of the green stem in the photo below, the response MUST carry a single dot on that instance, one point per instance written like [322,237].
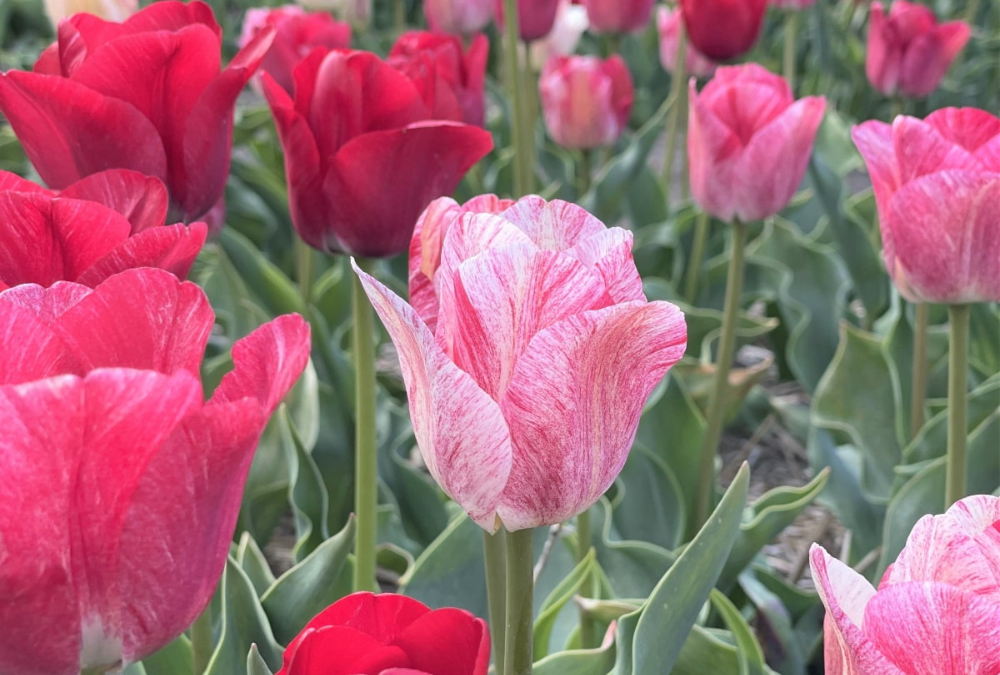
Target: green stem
[523,143]
[971,12]
[201,641]
[673,120]
[958,374]
[584,169]
[697,254]
[400,15]
[495,550]
[720,387]
[365,457]
[791,37]
[520,589]
[304,259]
[583,544]
[611,44]
[919,393]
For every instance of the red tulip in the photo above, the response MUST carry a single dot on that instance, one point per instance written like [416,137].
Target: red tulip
[452,82]
[937,188]
[937,608]
[121,484]
[106,223]
[695,63]
[723,29]
[535,17]
[388,634]
[586,101]
[526,395]
[749,142]
[147,94]
[908,51]
[618,16]
[459,17]
[363,156]
[297,32]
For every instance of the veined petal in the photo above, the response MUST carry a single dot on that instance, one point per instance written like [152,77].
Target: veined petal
[29,347]
[713,149]
[11,181]
[921,150]
[874,141]
[48,304]
[554,225]
[172,248]
[969,127]
[141,199]
[460,430]
[610,252]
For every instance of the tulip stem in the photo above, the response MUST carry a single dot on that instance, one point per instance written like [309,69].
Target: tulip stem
[495,550]
[304,268]
[791,42]
[958,375]
[921,313]
[522,132]
[720,386]
[697,253]
[201,641]
[365,457]
[971,12]
[400,15]
[520,591]
[674,119]
[583,169]
[583,546]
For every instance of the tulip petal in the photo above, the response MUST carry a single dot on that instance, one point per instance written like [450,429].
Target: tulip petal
[172,15]
[712,149]
[921,150]
[554,225]
[460,430]
[875,142]
[468,643]
[935,628]
[48,304]
[29,348]
[928,57]
[610,252]
[143,200]
[339,650]
[574,402]
[172,248]
[11,181]
[971,128]
[64,125]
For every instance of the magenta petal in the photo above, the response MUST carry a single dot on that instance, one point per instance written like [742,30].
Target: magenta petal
[574,402]
[11,181]
[141,199]
[172,248]
[48,304]
[460,431]
[29,347]
[610,252]
[875,142]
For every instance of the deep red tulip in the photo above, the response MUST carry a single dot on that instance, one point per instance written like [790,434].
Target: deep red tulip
[723,29]
[148,94]
[458,17]
[749,142]
[452,81]
[668,23]
[388,634]
[121,483]
[618,16]
[937,187]
[586,101]
[105,223]
[535,17]
[363,156]
[297,32]
[909,51]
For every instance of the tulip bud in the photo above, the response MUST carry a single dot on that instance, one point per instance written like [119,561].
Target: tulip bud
[618,16]
[908,51]
[535,17]
[723,29]
[586,101]
[459,17]
[695,63]
[109,10]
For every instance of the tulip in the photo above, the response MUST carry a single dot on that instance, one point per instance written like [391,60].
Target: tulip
[535,17]
[106,223]
[147,95]
[452,81]
[723,29]
[586,101]
[459,17]
[570,25]
[363,157]
[389,634]
[937,608]
[749,142]
[297,32]
[908,51]
[937,187]
[121,484]
[618,16]
[669,23]
[539,304]
[109,10]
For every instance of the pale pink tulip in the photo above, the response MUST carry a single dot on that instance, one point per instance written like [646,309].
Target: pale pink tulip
[459,17]
[526,396]
[668,22]
[749,142]
[937,188]
[937,608]
[586,101]
[571,23]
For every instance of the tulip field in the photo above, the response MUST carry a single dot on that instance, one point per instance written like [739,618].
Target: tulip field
[500,337]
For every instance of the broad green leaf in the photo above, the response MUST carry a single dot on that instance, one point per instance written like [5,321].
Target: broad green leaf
[252,561]
[268,283]
[556,600]
[242,623]
[306,491]
[649,505]
[774,625]
[174,659]
[750,654]
[256,664]
[578,662]
[707,651]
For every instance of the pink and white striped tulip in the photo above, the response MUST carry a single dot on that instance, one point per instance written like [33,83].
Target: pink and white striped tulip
[668,23]
[937,188]
[749,142]
[586,101]
[570,25]
[937,608]
[528,369]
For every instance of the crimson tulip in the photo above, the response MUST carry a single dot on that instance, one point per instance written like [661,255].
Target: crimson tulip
[937,608]
[535,17]
[668,23]
[105,223]
[452,81]
[148,94]
[749,142]
[618,16]
[937,188]
[458,17]
[389,634]
[296,33]
[121,483]
[908,51]
[723,29]
[363,156]
[586,101]
[539,304]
